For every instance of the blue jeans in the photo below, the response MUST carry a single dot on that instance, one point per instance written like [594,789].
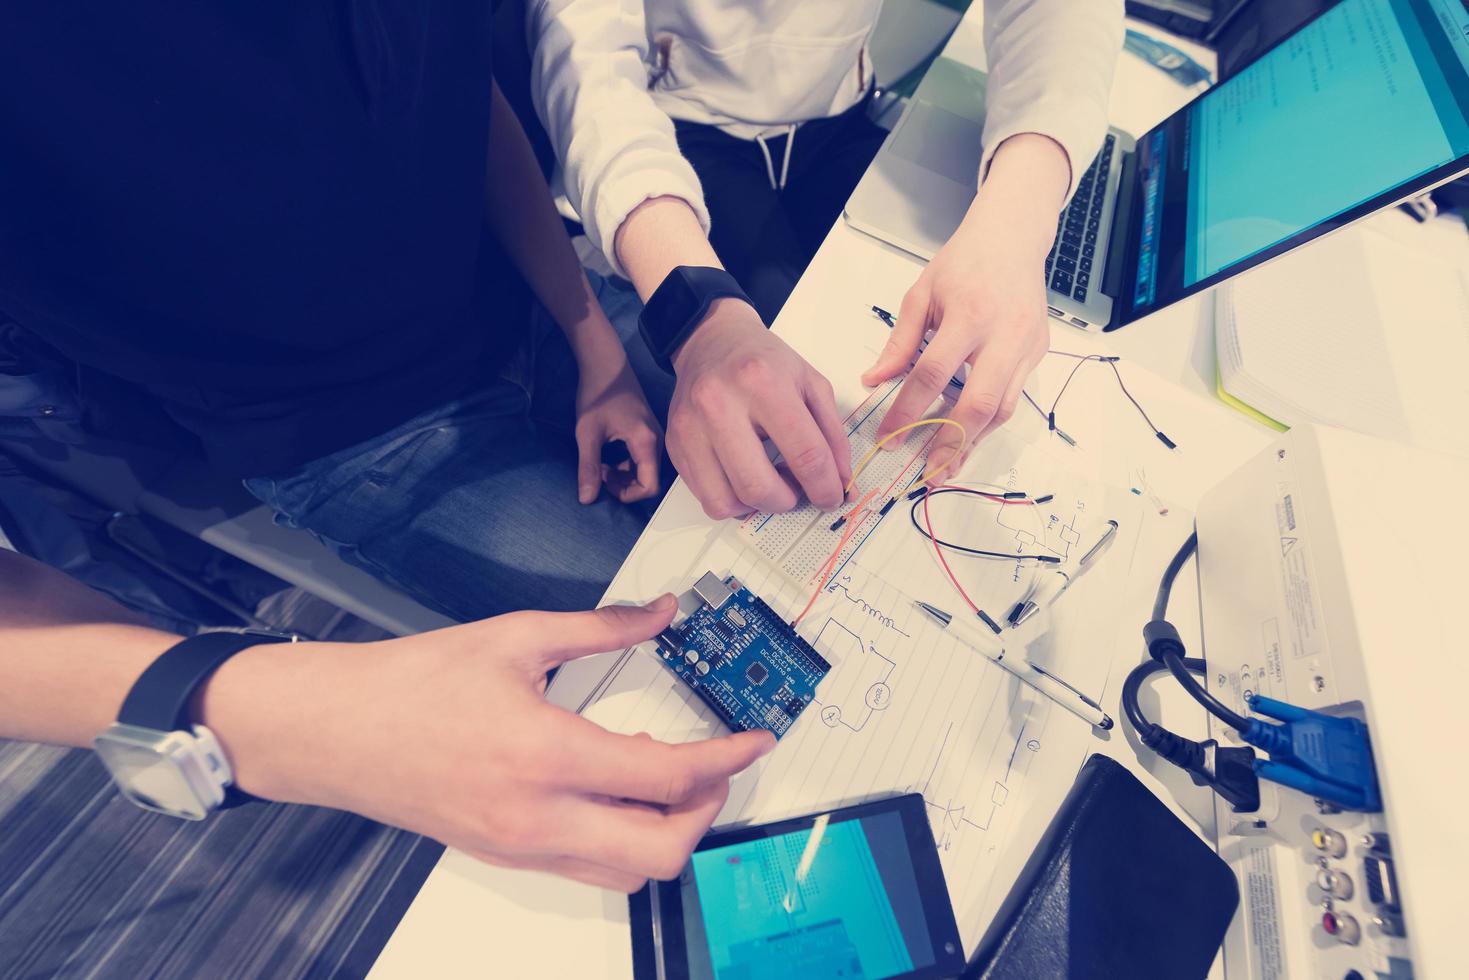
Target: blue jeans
[471,507]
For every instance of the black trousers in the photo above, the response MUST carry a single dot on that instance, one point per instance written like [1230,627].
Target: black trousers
[765,236]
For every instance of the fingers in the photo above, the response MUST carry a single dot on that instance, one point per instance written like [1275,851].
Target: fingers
[588,463]
[644,449]
[597,876]
[754,387]
[987,402]
[695,461]
[576,869]
[821,401]
[946,454]
[649,771]
[987,388]
[629,476]
[1011,397]
[748,469]
[641,840]
[558,637]
[928,378]
[905,337]
[806,449]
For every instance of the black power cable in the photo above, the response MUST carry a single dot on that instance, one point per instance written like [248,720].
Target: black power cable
[1175,565]
[1147,730]
[1227,770]
[1165,645]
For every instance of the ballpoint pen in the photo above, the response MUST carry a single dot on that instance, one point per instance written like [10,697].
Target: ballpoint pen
[1057,579]
[1042,681]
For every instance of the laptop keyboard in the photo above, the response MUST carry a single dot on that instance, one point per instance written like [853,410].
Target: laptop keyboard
[1069,266]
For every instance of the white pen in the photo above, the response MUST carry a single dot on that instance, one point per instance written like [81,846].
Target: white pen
[1043,682]
[1056,580]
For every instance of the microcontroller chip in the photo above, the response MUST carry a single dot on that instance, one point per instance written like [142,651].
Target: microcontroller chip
[726,644]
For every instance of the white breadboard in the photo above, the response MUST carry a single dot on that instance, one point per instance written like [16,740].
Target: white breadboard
[799,542]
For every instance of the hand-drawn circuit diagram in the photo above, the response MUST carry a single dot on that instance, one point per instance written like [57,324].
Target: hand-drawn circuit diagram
[968,797]
[859,687]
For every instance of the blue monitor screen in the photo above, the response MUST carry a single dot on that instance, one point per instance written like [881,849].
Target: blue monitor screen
[1370,95]
[836,901]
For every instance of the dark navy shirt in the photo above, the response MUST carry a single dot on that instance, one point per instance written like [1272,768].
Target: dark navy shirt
[266,215]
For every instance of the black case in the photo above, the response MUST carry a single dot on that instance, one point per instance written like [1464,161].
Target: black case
[1117,887]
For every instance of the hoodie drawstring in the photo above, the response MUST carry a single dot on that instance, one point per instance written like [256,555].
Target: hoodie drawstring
[785,163]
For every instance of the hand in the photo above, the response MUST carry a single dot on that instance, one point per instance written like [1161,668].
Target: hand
[984,297]
[738,383]
[610,406]
[447,734]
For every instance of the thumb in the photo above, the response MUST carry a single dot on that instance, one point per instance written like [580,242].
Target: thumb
[945,455]
[568,636]
[588,463]
[903,341]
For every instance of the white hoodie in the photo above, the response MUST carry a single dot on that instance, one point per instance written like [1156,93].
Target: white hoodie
[610,75]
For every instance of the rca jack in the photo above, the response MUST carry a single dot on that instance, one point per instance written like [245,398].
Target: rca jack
[1329,842]
[1341,927]
[1337,884]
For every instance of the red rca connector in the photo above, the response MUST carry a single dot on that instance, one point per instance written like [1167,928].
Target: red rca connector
[1341,927]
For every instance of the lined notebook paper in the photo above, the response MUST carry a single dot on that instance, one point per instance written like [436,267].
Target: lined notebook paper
[906,708]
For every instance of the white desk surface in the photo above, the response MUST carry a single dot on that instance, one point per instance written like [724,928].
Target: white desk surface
[472,920]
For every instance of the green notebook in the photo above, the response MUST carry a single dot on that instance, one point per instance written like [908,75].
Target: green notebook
[1234,402]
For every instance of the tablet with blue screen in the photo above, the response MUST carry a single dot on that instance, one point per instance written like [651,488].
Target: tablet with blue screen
[854,893]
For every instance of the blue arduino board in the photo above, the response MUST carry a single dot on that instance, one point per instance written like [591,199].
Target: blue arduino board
[745,662]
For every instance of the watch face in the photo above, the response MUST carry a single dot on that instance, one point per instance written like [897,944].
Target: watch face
[150,770]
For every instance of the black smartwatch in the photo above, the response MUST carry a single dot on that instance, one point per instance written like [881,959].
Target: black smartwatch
[157,756]
[679,305]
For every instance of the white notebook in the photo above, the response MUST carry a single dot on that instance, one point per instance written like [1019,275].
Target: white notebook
[1356,330]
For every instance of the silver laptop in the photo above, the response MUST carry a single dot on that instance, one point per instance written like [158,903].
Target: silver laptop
[1306,139]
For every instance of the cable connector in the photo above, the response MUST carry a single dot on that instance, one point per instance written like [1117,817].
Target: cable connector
[1230,772]
[1161,638]
[1182,752]
[1323,756]
[1227,770]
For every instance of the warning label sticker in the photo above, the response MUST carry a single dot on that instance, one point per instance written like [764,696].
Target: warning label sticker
[1262,907]
[1302,604]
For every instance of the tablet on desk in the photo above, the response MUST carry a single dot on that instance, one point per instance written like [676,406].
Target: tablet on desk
[856,892]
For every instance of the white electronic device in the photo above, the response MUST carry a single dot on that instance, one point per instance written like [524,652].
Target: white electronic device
[1331,573]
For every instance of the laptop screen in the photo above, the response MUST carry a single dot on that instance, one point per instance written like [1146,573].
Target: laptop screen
[1353,110]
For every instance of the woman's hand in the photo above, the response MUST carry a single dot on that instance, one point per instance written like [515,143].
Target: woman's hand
[984,298]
